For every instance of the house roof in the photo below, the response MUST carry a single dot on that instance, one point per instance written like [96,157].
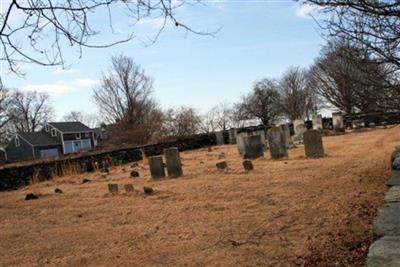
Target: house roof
[70,127]
[39,139]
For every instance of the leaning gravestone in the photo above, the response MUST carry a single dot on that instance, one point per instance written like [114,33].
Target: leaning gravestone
[220,138]
[113,188]
[277,143]
[240,141]
[156,167]
[288,139]
[313,144]
[253,147]
[173,160]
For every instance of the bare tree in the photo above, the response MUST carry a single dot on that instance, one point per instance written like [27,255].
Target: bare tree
[297,100]
[124,98]
[262,103]
[37,31]
[4,114]
[217,118]
[348,78]
[29,110]
[90,120]
[183,121]
[373,26]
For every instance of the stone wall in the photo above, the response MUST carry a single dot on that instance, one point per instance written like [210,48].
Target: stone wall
[13,176]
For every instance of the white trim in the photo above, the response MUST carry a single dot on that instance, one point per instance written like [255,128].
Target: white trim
[46,128]
[25,140]
[53,131]
[17,143]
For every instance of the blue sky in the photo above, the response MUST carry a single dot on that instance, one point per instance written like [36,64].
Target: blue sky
[257,39]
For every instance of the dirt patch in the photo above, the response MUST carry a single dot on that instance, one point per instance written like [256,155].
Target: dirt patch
[297,211]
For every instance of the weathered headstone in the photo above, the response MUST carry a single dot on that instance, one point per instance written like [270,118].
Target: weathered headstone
[286,132]
[261,133]
[313,144]
[58,191]
[253,147]
[148,190]
[156,167]
[173,160]
[232,136]
[240,142]
[248,165]
[135,174]
[317,122]
[299,128]
[384,252]
[221,165]
[220,138]
[128,188]
[113,188]
[277,143]
[337,121]
[31,196]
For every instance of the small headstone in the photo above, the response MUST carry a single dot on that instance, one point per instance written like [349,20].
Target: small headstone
[173,161]
[84,181]
[253,147]
[221,165]
[148,190]
[317,122]
[135,174]
[313,144]
[58,191]
[240,142]
[113,188]
[31,196]
[248,165]
[277,143]
[128,188]
[156,167]
[299,128]
[286,132]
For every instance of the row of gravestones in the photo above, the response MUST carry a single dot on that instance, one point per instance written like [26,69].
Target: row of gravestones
[386,250]
[278,140]
[172,162]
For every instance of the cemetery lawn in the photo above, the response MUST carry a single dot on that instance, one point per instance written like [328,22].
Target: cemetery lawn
[292,212]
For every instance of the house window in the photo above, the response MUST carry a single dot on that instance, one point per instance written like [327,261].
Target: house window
[53,132]
[78,135]
[87,135]
[46,128]
[17,144]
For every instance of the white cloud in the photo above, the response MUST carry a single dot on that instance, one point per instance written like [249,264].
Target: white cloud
[306,10]
[61,71]
[60,86]
[156,23]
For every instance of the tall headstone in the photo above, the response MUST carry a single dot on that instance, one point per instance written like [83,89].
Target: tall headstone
[277,143]
[317,122]
[337,121]
[156,167]
[313,144]
[240,141]
[232,136]
[286,131]
[299,128]
[173,161]
[261,133]
[220,138]
[253,147]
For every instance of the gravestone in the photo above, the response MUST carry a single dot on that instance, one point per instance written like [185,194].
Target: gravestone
[248,165]
[128,188]
[253,147]
[220,138]
[232,136]
[156,167]
[240,142]
[113,188]
[313,144]
[173,160]
[286,132]
[221,165]
[277,143]
[299,128]
[337,121]
[261,133]
[317,122]
[148,190]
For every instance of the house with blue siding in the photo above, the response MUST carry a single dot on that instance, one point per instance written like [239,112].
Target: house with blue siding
[55,139]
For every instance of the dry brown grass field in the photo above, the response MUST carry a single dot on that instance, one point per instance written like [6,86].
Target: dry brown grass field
[291,212]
